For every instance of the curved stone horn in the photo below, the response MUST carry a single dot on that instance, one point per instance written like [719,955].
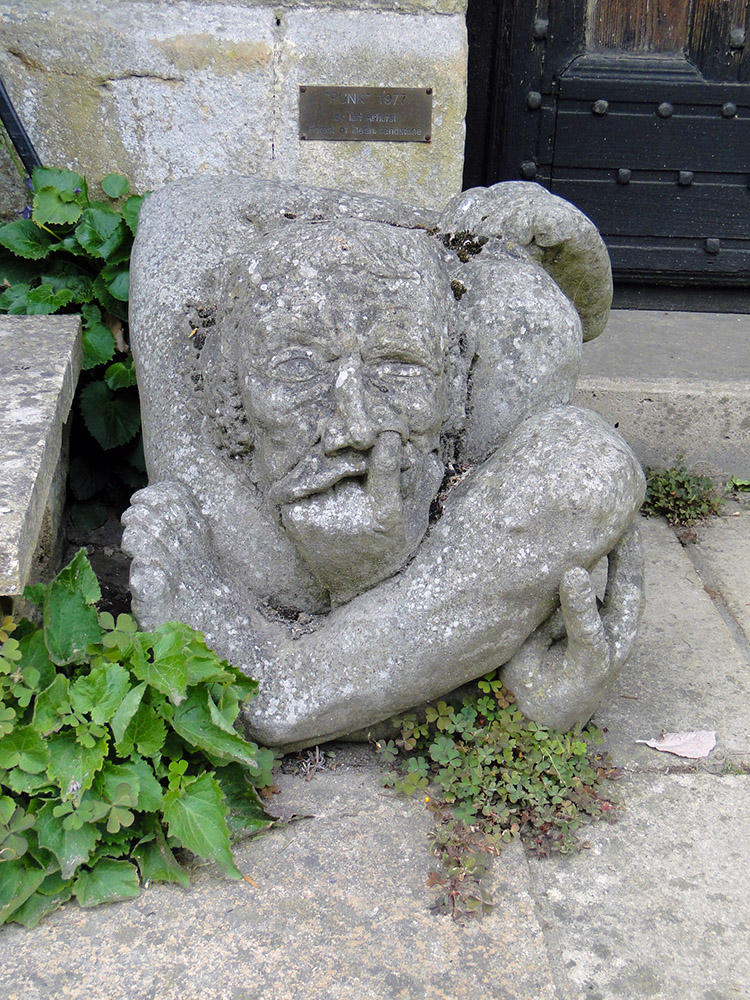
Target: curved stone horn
[552,231]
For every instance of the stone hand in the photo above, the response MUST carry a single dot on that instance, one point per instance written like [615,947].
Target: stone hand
[563,670]
[170,543]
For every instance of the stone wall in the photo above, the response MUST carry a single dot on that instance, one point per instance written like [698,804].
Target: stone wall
[158,89]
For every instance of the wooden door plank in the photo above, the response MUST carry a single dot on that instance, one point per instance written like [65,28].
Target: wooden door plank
[642,140]
[703,210]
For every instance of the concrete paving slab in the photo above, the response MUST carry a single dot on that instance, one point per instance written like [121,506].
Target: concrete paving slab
[722,556]
[341,911]
[659,907]
[686,672]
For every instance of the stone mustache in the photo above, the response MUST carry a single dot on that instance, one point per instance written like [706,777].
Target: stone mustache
[367,485]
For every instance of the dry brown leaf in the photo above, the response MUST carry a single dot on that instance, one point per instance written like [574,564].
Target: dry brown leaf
[694,744]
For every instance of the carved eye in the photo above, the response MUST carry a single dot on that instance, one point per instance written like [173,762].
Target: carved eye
[397,370]
[296,368]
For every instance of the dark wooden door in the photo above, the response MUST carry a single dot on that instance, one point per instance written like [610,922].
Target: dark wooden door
[637,111]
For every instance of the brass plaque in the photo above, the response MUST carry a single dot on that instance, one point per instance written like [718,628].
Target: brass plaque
[365,114]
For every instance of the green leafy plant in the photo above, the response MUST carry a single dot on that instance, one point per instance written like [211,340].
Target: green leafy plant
[680,496]
[117,747]
[489,774]
[70,253]
[739,485]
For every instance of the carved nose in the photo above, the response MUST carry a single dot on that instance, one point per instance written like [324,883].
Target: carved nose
[350,426]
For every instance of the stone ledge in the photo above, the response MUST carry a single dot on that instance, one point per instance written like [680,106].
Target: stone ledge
[40,358]
[674,384]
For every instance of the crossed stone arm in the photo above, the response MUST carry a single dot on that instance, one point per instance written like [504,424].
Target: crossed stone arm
[502,578]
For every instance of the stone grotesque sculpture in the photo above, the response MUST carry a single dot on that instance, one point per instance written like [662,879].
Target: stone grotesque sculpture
[311,363]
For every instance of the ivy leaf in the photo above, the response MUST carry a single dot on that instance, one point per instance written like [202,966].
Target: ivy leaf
[156,861]
[14,300]
[146,732]
[131,210]
[54,207]
[196,815]
[98,342]
[192,721]
[168,672]
[71,847]
[26,239]
[107,882]
[121,375]
[70,619]
[17,884]
[115,185]
[45,300]
[24,748]
[50,895]
[35,654]
[100,231]
[106,299]
[112,419]
[117,279]
[245,815]
[72,766]
[50,706]
[101,692]
[139,774]
[126,711]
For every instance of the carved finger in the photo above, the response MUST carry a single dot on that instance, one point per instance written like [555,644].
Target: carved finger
[384,479]
[624,596]
[587,639]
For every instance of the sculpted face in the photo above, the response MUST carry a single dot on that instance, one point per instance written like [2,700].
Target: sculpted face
[342,376]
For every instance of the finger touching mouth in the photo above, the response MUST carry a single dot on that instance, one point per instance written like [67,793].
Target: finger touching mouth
[316,474]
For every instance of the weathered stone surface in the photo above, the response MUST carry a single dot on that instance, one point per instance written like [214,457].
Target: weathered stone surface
[306,361]
[337,908]
[158,90]
[40,357]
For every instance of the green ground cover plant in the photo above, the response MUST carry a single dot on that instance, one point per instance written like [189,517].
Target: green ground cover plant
[679,495]
[488,774]
[70,253]
[117,748]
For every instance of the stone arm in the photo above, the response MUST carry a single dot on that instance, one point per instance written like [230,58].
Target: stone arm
[516,538]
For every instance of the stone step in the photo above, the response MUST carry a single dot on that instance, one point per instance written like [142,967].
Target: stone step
[674,383]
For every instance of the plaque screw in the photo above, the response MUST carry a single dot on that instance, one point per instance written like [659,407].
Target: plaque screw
[528,170]
[623,175]
[533,100]
[428,138]
[665,110]
[302,90]
[600,107]
[303,137]
[713,246]
[686,178]
[540,29]
[737,38]
[729,110]
[429,90]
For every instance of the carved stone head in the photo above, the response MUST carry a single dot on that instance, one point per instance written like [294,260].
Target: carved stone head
[335,342]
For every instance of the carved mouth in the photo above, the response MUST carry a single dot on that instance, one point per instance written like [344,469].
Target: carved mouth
[318,476]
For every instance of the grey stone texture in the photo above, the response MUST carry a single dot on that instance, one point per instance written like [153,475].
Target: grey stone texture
[158,89]
[657,907]
[675,384]
[310,362]
[40,358]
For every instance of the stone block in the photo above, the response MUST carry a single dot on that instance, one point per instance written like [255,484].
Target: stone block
[355,48]
[40,357]
[159,90]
